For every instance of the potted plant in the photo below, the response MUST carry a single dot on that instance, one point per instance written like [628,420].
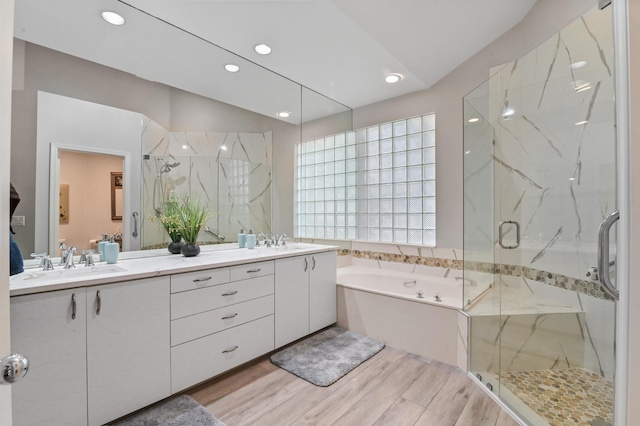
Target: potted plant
[191,217]
[170,220]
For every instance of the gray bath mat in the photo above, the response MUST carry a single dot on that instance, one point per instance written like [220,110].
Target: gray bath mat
[324,358]
[179,411]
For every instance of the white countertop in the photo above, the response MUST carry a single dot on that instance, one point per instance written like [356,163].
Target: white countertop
[151,263]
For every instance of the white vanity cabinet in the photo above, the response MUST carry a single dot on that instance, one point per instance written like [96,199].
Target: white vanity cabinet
[220,319]
[305,295]
[95,367]
[128,355]
[45,330]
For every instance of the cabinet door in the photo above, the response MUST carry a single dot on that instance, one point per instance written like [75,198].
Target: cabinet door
[128,355]
[44,329]
[322,290]
[292,299]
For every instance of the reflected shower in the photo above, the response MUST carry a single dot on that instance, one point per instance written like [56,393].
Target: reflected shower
[158,189]
[166,167]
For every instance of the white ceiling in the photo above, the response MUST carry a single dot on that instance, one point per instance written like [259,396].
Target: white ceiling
[339,48]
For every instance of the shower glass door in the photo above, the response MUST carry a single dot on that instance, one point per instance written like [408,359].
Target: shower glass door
[539,180]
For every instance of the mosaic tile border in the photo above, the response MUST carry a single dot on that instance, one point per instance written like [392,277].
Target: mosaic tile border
[587,287]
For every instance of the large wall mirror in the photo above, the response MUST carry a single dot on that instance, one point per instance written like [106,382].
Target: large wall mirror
[181,123]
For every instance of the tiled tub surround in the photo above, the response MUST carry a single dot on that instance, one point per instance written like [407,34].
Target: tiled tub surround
[235,182]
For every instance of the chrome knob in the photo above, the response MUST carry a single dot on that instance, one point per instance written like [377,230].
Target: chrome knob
[13,368]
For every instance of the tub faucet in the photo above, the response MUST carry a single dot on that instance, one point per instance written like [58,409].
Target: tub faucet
[467,280]
[69,262]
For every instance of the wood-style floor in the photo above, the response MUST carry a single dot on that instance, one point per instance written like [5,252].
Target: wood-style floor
[392,388]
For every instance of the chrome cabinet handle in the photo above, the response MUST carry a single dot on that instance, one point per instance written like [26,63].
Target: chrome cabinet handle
[230,316]
[603,255]
[135,224]
[200,280]
[98,302]
[73,306]
[313,266]
[230,293]
[306,264]
[501,234]
[231,349]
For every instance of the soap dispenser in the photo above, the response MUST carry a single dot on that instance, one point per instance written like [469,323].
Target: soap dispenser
[242,239]
[101,246]
[251,240]
[111,250]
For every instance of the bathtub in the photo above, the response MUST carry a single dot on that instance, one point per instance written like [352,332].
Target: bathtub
[420,314]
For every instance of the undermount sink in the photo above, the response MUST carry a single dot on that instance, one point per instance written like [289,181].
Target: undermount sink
[61,273]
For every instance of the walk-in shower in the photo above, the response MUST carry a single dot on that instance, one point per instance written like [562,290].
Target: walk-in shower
[539,178]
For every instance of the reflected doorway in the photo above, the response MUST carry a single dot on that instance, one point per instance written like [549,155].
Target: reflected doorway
[88,196]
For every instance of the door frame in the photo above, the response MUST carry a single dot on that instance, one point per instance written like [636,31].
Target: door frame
[6,70]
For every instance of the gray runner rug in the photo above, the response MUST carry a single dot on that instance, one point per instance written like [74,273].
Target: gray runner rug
[324,358]
[179,411]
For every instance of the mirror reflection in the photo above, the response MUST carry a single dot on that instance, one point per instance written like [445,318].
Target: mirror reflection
[144,92]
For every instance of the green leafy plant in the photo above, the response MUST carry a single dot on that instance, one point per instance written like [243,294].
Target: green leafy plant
[170,218]
[191,216]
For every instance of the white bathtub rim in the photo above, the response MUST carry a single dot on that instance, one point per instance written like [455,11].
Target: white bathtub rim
[392,273]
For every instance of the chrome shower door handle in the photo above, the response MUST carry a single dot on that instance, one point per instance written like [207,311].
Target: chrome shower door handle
[135,224]
[603,255]
[501,234]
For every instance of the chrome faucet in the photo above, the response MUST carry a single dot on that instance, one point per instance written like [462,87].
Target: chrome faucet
[63,254]
[265,240]
[467,280]
[282,240]
[69,262]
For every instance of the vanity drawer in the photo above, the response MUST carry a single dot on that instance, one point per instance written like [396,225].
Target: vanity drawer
[205,323]
[201,359]
[252,270]
[199,279]
[205,299]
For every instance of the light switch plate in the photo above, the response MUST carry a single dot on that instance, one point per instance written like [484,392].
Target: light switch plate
[17,221]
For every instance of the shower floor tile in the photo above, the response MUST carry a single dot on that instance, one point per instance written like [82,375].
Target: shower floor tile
[564,397]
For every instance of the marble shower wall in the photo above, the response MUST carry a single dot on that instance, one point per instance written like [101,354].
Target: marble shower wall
[543,154]
[234,182]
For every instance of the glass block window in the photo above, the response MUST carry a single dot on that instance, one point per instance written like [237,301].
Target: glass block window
[372,184]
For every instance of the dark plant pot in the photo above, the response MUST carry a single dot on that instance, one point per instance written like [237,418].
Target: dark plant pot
[175,247]
[190,249]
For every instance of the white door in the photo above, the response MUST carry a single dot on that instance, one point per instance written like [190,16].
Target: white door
[6,60]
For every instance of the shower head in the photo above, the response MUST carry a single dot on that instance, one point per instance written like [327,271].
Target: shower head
[166,167]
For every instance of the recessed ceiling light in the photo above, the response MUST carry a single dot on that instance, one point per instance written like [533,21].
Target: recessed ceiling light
[232,68]
[284,114]
[262,49]
[580,123]
[393,78]
[578,64]
[112,17]
[474,120]
[223,147]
